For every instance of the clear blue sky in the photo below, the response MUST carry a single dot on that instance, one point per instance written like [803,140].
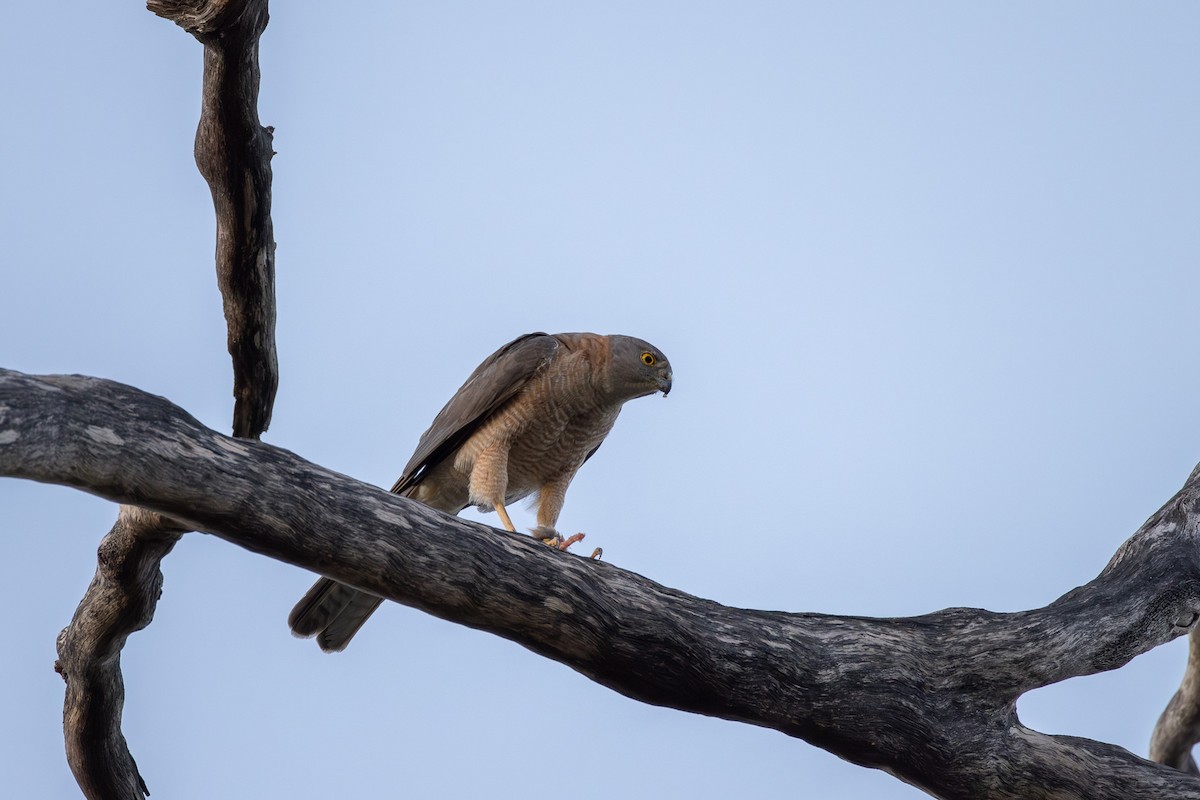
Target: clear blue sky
[927,273]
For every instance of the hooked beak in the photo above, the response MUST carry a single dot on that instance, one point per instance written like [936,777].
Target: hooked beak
[664,384]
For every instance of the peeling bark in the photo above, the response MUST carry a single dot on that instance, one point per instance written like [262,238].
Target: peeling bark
[930,699]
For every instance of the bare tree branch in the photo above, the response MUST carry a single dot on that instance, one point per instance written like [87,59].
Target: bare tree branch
[233,152]
[1178,729]
[930,699]
[120,600]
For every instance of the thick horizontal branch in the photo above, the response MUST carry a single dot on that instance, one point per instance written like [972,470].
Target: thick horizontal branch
[929,699]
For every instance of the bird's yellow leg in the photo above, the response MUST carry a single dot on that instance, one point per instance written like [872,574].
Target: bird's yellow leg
[489,478]
[503,512]
[550,503]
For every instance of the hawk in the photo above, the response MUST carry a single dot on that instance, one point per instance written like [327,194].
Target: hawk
[525,421]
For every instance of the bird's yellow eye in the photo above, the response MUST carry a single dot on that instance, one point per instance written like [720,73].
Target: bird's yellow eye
[648,359]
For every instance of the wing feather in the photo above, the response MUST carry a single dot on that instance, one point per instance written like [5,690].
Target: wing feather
[493,383]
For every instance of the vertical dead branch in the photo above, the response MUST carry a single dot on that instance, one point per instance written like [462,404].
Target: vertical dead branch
[233,152]
[1178,729]
[119,601]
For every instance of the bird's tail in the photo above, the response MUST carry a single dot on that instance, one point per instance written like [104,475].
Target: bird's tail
[333,612]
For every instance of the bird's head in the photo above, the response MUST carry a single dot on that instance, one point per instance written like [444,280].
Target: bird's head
[638,368]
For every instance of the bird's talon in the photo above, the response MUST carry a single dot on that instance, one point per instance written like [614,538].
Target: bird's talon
[595,556]
[570,540]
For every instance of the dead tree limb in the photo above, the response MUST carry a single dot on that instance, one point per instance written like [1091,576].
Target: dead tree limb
[1178,729]
[930,699]
[233,152]
[119,601]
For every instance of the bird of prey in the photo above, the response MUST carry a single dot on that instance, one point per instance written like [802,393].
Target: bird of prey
[525,421]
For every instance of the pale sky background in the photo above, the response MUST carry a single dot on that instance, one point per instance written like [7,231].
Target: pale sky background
[927,273]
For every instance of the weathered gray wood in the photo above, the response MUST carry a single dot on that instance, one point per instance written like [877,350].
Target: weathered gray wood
[930,699]
[1178,729]
[233,152]
[119,601]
